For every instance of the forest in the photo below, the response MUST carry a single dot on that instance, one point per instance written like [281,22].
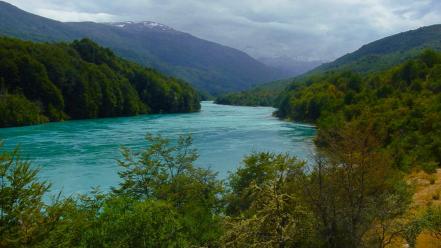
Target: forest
[402,104]
[263,95]
[42,82]
[254,98]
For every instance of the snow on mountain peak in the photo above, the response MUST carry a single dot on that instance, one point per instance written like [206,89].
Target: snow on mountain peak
[144,24]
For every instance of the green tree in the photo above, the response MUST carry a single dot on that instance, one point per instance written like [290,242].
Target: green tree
[126,222]
[21,202]
[165,171]
[267,212]
[353,188]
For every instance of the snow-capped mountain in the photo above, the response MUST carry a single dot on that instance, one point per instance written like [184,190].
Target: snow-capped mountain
[142,25]
[206,65]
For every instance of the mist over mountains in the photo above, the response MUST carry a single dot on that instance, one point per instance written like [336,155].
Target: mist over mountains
[208,66]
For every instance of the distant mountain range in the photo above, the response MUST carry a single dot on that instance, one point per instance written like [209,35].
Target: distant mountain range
[289,66]
[206,65]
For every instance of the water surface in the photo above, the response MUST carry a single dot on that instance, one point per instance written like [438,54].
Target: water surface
[77,155]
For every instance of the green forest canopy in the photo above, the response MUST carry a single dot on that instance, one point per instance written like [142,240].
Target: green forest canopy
[54,82]
[403,104]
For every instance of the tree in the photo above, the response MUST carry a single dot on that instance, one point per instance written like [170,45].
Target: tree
[352,187]
[269,213]
[125,222]
[432,222]
[21,202]
[165,171]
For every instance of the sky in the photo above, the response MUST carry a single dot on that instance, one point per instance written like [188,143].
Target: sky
[298,29]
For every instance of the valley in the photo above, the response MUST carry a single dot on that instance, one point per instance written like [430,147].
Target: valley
[134,133]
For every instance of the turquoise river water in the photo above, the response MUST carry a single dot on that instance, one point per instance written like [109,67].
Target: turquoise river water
[77,155]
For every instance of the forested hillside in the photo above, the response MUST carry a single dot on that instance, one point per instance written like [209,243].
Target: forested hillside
[54,82]
[206,65]
[267,94]
[373,57]
[384,53]
[402,104]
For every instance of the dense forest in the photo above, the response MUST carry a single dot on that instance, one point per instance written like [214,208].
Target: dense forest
[255,97]
[402,104]
[54,82]
[263,95]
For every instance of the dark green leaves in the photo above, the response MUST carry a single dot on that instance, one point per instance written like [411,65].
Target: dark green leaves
[54,82]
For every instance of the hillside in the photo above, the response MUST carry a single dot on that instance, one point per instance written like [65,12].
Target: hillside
[387,52]
[289,66]
[55,82]
[373,57]
[262,95]
[402,104]
[206,65]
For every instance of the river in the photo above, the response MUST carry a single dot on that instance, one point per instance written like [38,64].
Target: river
[77,155]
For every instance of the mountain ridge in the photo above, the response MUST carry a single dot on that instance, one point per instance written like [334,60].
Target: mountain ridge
[207,65]
[396,48]
[375,56]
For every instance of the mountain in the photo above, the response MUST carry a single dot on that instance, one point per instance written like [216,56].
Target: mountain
[373,57]
[289,66]
[42,82]
[384,53]
[207,65]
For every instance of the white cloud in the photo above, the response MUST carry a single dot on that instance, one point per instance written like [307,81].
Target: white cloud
[320,29]
[72,16]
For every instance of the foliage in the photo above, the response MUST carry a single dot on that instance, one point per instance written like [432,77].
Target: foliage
[264,212]
[165,171]
[402,104]
[353,189]
[257,97]
[124,222]
[208,66]
[53,82]
[432,221]
[351,196]
[21,200]
[178,206]
[16,110]
[268,94]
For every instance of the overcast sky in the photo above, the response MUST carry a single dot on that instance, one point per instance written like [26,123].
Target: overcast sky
[304,29]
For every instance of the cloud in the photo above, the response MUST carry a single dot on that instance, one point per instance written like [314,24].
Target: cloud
[73,16]
[321,29]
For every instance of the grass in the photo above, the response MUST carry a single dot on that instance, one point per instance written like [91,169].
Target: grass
[427,193]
